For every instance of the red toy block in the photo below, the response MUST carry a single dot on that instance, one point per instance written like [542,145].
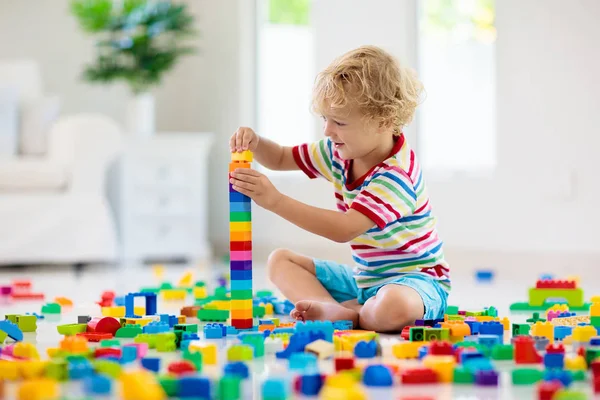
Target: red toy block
[441,348]
[107,352]
[546,390]
[405,334]
[555,348]
[596,384]
[95,337]
[104,325]
[242,323]
[21,284]
[107,298]
[343,363]
[27,296]
[524,351]
[581,351]
[240,246]
[552,284]
[418,376]
[595,367]
[179,368]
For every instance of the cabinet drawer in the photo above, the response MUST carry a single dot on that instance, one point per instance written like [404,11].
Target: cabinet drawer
[162,202]
[160,171]
[164,236]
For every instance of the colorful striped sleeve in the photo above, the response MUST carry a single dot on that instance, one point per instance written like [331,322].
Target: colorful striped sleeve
[388,196]
[315,158]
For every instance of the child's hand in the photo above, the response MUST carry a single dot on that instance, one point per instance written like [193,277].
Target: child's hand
[243,139]
[256,186]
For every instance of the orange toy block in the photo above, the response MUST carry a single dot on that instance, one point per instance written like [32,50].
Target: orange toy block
[235,165]
[241,314]
[240,236]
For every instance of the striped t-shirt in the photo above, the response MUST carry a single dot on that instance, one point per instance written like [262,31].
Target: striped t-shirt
[393,195]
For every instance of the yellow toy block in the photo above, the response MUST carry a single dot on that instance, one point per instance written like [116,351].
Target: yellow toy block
[407,350]
[245,156]
[595,309]
[9,370]
[241,304]
[32,369]
[342,386]
[186,279]
[442,365]
[505,323]
[268,309]
[321,348]
[173,294]
[545,329]
[39,389]
[181,319]
[241,314]
[158,270]
[575,363]
[558,307]
[52,351]
[26,350]
[240,226]
[208,351]
[583,334]
[220,305]
[117,311]
[141,385]
[199,292]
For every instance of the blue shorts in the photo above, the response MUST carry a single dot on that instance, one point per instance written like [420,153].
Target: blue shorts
[339,281]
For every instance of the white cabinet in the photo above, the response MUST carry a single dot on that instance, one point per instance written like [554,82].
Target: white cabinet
[163,198]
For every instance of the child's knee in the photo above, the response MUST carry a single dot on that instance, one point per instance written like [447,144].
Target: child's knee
[276,258]
[393,308]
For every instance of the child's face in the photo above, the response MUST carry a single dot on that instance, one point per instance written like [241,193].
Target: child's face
[352,136]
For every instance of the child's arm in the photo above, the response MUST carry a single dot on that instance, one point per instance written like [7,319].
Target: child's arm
[266,152]
[337,226]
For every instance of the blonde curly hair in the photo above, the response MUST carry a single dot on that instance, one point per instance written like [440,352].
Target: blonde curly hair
[373,80]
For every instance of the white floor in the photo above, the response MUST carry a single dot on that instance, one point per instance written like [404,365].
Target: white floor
[85,288]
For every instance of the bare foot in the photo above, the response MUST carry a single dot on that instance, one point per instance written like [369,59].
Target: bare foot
[311,310]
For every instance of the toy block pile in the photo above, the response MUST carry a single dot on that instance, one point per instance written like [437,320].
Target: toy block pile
[240,246]
[546,293]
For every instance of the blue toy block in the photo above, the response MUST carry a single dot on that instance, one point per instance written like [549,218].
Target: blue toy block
[546,277]
[12,330]
[423,350]
[151,363]
[303,361]
[164,318]
[239,206]
[488,340]
[192,386]
[316,326]
[342,325]
[298,342]
[97,384]
[38,316]
[214,331]
[237,368]
[274,389]
[478,364]
[241,275]
[265,322]
[79,368]
[232,331]
[474,325]
[282,307]
[310,385]
[241,284]
[190,336]
[561,332]
[119,301]
[128,354]
[469,354]
[156,327]
[492,328]
[284,330]
[150,303]
[595,341]
[484,275]
[236,197]
[173,320]
[378,375]
[365,349]
[565,377]
[554,360]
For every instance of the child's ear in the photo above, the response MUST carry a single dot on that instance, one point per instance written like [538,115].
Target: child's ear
[384,126]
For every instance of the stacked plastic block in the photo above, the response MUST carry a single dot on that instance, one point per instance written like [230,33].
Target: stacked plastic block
[240,247]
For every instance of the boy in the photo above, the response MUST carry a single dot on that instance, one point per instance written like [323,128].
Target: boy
[400,274]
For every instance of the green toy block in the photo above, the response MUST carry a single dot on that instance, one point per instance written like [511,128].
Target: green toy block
[240,216]
[110,343]
[195,358]
[595,321]
[169,384]
[27,323]
[71,329]
[520,329]
[240,352]
[57,369]
[257,342]
[11,317]
[491,312]
[165,342]
[456,317]
[129,331]
[436,334]
[452,310]
[535,318]
[150,290]
[229,388]
[416,334]
[146,338]
[51,308]
[579,375]
[485,350]
[591,353]
[474,314]
[165,285]
[3,335]
[200,284]
[463,376]
[186,327]
[241,294]
[258,311]
[221,293]
[213,315]
[107,367]
[526,376]
[546,305]
[574,297]
[264,293]
[568,394]
[502,352]
[201,302]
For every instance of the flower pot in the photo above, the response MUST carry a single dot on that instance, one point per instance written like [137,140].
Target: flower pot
[140,115]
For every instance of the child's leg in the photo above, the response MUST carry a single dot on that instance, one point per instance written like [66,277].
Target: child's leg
[391,309]
[295,275]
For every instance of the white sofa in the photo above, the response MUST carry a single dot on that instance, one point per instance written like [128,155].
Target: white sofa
[53,203]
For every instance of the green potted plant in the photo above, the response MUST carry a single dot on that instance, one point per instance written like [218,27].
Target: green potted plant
[138,42]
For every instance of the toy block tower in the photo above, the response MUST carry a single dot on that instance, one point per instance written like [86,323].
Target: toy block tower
[240,248]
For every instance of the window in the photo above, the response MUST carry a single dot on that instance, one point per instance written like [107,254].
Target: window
[456,122]
[285,69]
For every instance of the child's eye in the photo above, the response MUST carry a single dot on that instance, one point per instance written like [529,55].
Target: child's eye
[339,123]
